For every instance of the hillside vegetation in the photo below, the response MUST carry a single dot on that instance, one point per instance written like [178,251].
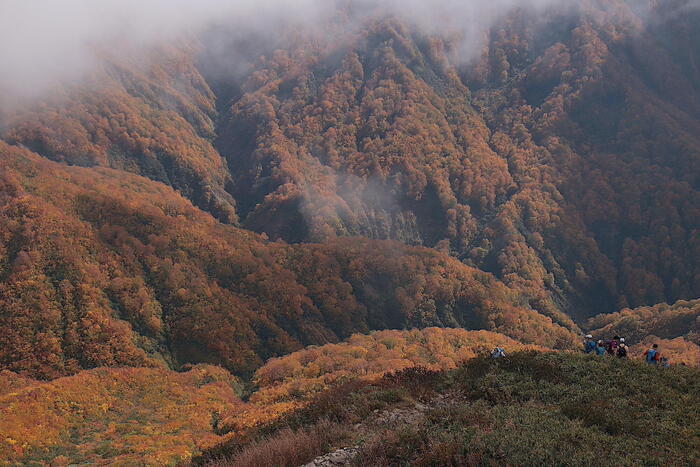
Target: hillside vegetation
[225,242]
[682,319]
[112,415]
[156,416]
[291,382]
[676,328]
[155,121]
[526,409]
[561,157]
[102,268]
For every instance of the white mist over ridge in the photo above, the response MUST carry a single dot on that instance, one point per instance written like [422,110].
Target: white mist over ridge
[46,43]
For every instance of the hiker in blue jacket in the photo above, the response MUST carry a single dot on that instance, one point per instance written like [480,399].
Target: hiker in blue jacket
[589,345]
[600,349]
[651,356]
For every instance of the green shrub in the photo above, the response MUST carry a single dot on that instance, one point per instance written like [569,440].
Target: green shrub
[525,409]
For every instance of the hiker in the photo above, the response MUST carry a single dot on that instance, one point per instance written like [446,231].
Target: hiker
[651,356]
[600,349]
[613,345]
[622,349]
[498,353]
[589,344]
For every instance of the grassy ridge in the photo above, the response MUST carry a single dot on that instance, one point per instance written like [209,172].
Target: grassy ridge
[526,409]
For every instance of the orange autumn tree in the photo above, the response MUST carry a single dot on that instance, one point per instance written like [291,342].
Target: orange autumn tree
[534,161]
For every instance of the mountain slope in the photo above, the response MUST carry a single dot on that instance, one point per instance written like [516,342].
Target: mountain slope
[112,415]
[156,416]
[562,159]
[102,268]
[524,409]
[291,382]
[361,174]
[682,319]
[150,115]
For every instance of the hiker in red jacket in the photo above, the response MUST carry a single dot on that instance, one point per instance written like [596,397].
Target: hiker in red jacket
[613,345]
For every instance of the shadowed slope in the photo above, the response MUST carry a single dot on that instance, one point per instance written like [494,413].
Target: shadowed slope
[104,268]
[563,159]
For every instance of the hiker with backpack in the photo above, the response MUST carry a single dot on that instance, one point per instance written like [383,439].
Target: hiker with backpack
[622,349]
[589,344]
[613,345]
[498,352]
[600,349]
[651,356]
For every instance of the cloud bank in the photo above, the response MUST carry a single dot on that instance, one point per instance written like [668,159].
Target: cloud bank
[44,43]
[48,42]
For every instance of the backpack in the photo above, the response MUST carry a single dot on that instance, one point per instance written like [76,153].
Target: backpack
[589,347]
[622,351]
[498,353]
[612,347]
[651,355]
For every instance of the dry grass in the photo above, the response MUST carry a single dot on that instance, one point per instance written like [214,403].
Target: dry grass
[288,448]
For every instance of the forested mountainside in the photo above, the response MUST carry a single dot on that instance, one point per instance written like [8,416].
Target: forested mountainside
[226,200]
[562,157]
[155,416]
[682,319]
[102,268]
[154,121]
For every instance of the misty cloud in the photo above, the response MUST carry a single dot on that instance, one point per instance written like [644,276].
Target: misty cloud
[44,43]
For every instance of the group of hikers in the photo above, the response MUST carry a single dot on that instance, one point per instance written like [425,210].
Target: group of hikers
[616,347]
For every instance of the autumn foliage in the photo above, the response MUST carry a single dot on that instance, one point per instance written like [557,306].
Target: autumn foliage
[682,319]
[101,268]
[158,416]
[562,158]
[364,175]
[523,409]
[302,374]
[289,383]
[676,328]
[155,121]
[127,415]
